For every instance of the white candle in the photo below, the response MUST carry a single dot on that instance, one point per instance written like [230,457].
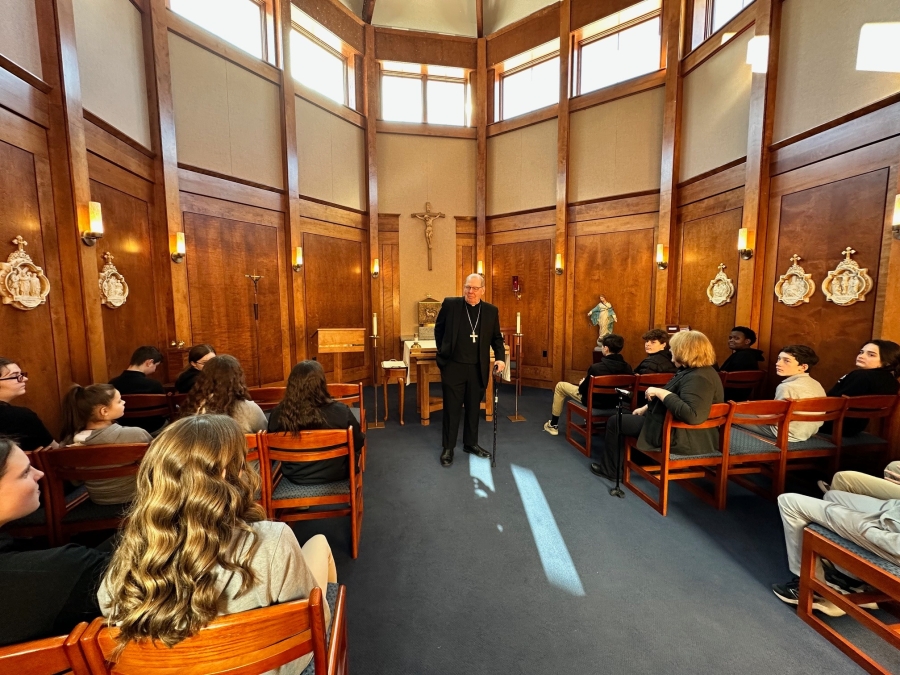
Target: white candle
[518,323]
[375,324]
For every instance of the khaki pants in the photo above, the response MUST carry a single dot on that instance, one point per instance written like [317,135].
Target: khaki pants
[317,554]
[563,391]
[864,484]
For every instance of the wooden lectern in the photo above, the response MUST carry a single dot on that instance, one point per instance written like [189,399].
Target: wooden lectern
[340,341]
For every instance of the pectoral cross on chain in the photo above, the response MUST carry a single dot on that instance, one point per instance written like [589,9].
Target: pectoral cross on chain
[474,336]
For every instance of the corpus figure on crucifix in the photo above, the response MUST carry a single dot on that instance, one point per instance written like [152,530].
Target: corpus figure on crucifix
[428,217]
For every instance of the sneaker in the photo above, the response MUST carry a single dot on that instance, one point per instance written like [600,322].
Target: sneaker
[790,593]
[845,584]
[550,429]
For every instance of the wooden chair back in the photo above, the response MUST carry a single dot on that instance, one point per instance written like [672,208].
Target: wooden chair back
[607,385]
[246,643]
[766,454]
[176,402]
[267,397]
[743,379]
[719,414]
[644,382]
[51,656]
[146,405]
[824,409]
[871,407]
[352,395]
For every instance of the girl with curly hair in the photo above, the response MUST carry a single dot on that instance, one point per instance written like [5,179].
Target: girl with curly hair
[220,389]
[196,545]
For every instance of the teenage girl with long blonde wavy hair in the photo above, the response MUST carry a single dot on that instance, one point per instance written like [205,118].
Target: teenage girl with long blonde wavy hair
[196,545]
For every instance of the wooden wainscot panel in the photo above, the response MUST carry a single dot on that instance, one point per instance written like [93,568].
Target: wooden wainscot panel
[336,295]
[713,182]
[389,318]
[706,242]
[817,224]
[624,205]
[521,221]
[332,213]
[618,266]
[641,221]
[115,176]
[126,236]
[531,262]
[113,149]
[23,98]
[733,199]
[388,222]
[219,208]
[229,190]
[220,252]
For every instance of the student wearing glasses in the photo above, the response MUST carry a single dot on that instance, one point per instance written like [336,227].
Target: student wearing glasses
[18,422]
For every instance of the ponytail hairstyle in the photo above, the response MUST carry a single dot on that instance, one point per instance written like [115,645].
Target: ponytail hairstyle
[190,522]
[890,355]
[219,389]
[80,403]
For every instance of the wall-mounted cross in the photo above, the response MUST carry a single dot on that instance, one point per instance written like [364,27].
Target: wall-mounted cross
[428,217]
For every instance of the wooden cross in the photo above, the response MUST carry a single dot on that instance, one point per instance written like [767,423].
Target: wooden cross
[428,217]
[20,242]
[848,252]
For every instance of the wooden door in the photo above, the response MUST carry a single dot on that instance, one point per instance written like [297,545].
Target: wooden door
[220,253]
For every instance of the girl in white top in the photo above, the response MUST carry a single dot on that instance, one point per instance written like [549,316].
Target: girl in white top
[196,544]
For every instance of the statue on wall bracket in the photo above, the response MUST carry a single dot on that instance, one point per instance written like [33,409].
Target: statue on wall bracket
[604,317]
[720,289]
[22,283]
[428,217]
[848,283]
[795,286]
[113,289]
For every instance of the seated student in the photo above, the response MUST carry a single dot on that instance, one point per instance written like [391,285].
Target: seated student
[743,357]
[220,390]
[793,364]
[42,593]
[307,405]
[878,366]
[135,380]
[198,356]
[873,524]
[89,418]
[19,422]
[689,396]
[195,511]
[659,358]
[864,484]
[611,363]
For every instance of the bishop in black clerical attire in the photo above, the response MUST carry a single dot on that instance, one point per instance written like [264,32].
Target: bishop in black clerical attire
[465,329]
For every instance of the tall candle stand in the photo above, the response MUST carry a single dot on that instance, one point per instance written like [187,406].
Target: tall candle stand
[377,424]
[517,338]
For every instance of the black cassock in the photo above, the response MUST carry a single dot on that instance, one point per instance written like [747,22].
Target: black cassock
[465,362]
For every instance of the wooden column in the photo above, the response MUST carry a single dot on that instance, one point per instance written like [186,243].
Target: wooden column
[481,120]
[371,113]
[72,191]
[562,190]
[756,186]
[168,203]
[673,11]
[293,237]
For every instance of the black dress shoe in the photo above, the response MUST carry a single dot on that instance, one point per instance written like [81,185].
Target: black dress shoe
[477,450]
[597,470]
[447,457]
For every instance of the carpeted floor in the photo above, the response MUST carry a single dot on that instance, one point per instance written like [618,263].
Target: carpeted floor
[533,568]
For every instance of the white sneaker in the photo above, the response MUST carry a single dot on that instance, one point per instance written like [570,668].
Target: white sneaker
[550,429]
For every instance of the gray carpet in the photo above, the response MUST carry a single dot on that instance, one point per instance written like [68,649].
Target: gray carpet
[450,577]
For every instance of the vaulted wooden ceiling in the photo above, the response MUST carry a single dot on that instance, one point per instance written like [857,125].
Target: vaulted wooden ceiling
[455,17]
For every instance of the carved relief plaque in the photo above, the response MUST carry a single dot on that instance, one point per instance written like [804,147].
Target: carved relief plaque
[113,289]
[848,283]
[795,286]
[720,289]
[22,283]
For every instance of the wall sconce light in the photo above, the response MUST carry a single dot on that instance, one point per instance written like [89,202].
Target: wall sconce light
[95,226]
[177,247]
[480,268]
[758,53]
[662,256]
[558,267]
[298,259]
[376,268]
[516,288]
[895,223]
[745,245]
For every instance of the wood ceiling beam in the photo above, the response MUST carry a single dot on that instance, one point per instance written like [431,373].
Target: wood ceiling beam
[368,10]
[479,17]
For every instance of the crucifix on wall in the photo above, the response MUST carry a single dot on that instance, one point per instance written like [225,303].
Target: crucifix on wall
[428,217]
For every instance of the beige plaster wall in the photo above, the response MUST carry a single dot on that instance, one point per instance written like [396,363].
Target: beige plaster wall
[226,118]
[413,170]
[110,43]
[19,34]
[716,110]
[616,148]
[332,157]
[817,76]
[521,169]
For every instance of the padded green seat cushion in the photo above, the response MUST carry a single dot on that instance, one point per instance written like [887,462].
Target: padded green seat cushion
[289,490]
[862,439]
[863,553]
[744,443]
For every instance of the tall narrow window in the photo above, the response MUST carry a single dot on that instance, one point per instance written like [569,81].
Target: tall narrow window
[320,60]
[240,22]
[723,11]
[412,92]
[618,47]
[529,81]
